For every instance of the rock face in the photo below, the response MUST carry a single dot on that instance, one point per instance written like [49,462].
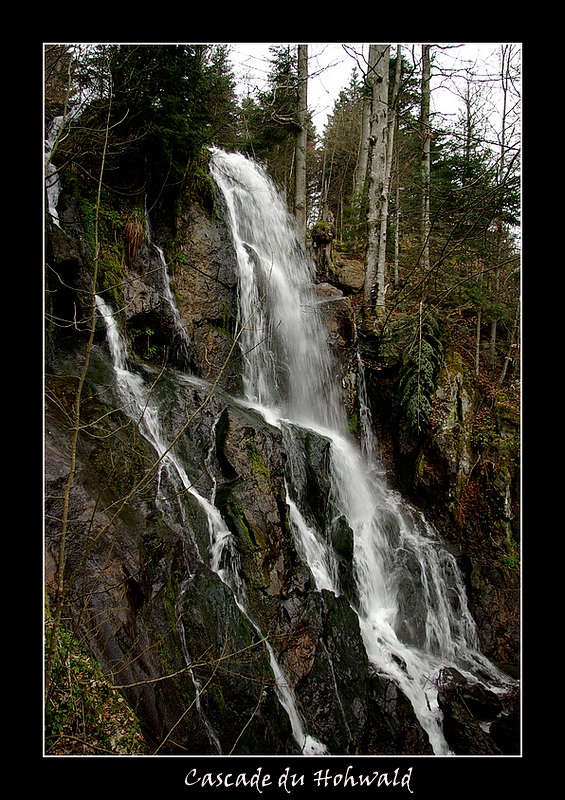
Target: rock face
[149,606]
[140,590]
[469,490]
[477,721]
[206,291]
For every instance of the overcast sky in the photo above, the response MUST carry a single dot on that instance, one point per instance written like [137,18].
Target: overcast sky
[331,64]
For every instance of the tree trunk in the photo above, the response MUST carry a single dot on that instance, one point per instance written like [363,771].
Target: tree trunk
[425,132]
[363,157]
[478,342]
[500,178]
[374,285]
[397,214]
[301,142]
[511,347]
[381,263]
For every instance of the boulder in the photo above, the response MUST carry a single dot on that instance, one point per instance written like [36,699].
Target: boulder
[478,721]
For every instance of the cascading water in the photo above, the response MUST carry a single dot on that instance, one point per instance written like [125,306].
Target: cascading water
[368,438]
[136,399]
[408,595]
[282,341]
[137,404]
[410,599]
[181,340]
[53,131]
[52,183]
[210,732]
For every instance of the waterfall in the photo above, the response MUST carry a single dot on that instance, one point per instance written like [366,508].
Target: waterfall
[210,732]
[283,341]
[318,556]
[52,133]
[368,438]
[136,399]
[410,600]
[181,341]
[223,560]
[52,183]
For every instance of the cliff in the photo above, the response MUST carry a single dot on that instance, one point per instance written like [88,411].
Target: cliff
[139,589]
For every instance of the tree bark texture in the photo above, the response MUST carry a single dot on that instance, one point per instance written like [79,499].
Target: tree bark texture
[381,263]
[301,142]
[363,157]
[425,132]
[377,176]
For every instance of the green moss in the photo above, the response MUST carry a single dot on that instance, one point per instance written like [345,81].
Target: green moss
[234,515]
[116,449]
[111,277]
[117,226]
[200,186]
[511,558]
[322,231]
[506,410]
[258,465]
[453,361]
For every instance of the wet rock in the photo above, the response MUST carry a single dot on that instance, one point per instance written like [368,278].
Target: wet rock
[252,499]
[308,462]
[506,728]
[231,664]
[204,281]
[392,726]
[338,314]
[335,690]
[342,542]
[348,273]
[477,721]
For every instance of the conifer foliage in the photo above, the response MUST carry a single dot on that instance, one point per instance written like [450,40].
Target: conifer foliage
[137,124]
[420,370]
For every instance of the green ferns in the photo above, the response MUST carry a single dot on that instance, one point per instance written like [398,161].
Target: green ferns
[419,374]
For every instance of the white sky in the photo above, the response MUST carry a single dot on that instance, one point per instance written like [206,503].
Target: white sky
[331,64]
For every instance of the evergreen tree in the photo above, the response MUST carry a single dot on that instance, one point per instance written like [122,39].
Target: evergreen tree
[271,121]
[164,104]
[222,102]
[160,105]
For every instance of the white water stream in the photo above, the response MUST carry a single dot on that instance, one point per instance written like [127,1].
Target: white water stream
[410,601]
[52,183]
[52,133]
[138,405]
[411,605]
[181,337]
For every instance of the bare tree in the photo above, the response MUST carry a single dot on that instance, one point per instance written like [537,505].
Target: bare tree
[506,89]
[425,168]
[377,176]
[392,120]
[363,156]
[301,142]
